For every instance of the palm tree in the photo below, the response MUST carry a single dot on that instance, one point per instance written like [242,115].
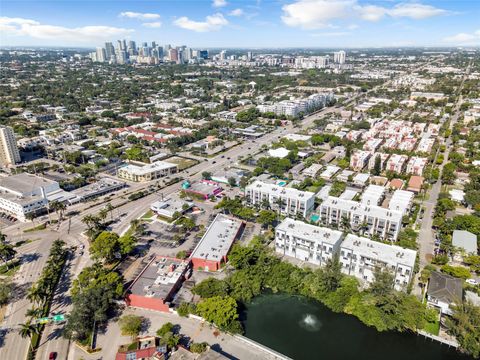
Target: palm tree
[28,330]
[31,216]
[33,313]
[7,252]
[36,294]
[109,207]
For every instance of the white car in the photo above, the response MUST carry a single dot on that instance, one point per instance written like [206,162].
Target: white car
[472,281]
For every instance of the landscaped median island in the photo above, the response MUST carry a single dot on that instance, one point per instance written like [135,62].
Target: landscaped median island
[41,295]
[379,306]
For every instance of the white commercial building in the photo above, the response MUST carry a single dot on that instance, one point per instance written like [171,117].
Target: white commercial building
[9,154]
[24,194]
[360,257]
[372,195]
[371,219]
[147,172]
[290,201]
[306,242]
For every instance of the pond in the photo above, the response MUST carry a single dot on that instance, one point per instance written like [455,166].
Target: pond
[305,329]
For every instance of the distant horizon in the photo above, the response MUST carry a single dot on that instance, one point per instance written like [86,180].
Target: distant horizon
[244,23]
[52,47]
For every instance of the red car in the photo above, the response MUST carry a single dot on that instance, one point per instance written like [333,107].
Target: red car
[52,356]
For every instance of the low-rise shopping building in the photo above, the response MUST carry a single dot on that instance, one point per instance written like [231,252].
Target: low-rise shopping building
[212,250]
[156,285]
[147,172]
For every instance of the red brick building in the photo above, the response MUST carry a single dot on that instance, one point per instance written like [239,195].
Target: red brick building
[213,248]
[157,283]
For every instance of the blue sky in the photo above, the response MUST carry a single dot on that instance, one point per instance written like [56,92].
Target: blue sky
[246,23]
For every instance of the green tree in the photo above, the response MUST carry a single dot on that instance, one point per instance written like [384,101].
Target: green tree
[199,348]
[7,252]
[28,330]
[206,175]
[377,168]
[464,324]
[222,311]
[5,292]
[105,246]
[166,328]
[131,325]
[266,217]
[211,287]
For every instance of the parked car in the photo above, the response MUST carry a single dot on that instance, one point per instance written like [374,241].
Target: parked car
[472,281]
[52,356]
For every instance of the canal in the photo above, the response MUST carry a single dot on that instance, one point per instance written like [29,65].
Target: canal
[304,329]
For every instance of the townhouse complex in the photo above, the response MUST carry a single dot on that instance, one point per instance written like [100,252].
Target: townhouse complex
[360,257]
[295,107]
[290,201]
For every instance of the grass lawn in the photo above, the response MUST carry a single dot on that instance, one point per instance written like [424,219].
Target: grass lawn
[432,327]
[36,228]
[149,214]
[12,268]
[182,163]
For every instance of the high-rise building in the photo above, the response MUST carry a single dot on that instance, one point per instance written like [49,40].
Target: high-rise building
[249,56]
[203,54]
[132,48]
[9,153]
[109,50]
[173,55]
[101,56]
[223,55]
[124,45]
[339,57]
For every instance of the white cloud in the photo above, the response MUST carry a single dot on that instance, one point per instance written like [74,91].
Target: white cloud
[331,34]
[236,12]
[155,24]
[415,11]
[316,14]
[464,39]
[219,3]
[211,23]
[85,34]
[371,12]
[140,16]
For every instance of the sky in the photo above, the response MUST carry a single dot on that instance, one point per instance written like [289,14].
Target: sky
[242,23]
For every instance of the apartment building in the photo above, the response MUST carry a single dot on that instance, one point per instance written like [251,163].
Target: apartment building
[147,172]
[359,160]
[425,145]
[373,195]
[360,257]
[401,200]
[372,145]
[306,242]
[370,219]
[416,165]
[290,201]
[396,163]
[383,159]
[9,154]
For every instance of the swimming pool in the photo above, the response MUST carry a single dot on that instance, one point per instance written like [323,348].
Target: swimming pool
[314,217]
[281,183]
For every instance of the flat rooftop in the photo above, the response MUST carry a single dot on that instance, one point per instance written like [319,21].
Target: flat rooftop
[159,277]
[218,239]
[313,233]
[102,185]
[24,183]
[276,190]
[143,170]
[390,254]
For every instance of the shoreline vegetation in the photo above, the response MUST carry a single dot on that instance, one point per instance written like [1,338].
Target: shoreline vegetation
[380,306]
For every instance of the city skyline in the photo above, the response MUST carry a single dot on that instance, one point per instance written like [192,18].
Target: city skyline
[252,24]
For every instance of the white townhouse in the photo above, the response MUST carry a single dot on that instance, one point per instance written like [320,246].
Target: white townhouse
[371,219]
[292,201]
[306,242]
[360,257]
